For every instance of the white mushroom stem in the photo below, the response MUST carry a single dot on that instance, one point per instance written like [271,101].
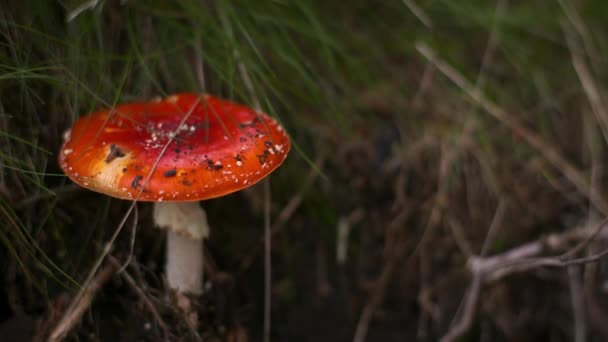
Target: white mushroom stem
[187,226]
[184,263]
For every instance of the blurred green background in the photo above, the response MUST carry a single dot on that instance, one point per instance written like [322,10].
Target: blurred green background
[424,133]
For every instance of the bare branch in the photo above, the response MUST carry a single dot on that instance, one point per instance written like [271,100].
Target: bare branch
[525,258]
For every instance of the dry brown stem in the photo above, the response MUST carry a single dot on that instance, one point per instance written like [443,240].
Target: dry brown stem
[72,317]
[524,258]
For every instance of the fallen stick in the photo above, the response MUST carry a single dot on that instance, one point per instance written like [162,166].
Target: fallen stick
[524,258]
[68,322]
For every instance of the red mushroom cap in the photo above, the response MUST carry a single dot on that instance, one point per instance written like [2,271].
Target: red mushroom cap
[220,148]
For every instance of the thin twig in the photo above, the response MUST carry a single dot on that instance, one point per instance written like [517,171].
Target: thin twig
[524,257]
[142,295]
[460,238]
[91,4]
[450,153]
[579,26]
[132,242]
[72,317]
[468,311]
[578,304]
[520,259]
[395,251]
[289,209]
[267,261]
[56,192]
[374,301]
[587,81]
[199,61]
[494,227]
[418,12]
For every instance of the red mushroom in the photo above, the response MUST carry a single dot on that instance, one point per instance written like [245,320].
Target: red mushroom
[215,147]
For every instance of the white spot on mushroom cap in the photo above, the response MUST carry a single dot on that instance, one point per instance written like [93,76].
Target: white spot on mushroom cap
[67,151]
[172,98]
[67,135]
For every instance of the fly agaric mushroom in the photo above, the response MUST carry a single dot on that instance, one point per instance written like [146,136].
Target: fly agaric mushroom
[215,147]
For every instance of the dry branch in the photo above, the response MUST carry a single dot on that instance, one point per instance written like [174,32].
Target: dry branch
[524,258]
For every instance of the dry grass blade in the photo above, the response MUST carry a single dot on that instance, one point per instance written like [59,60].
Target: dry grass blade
[72,317]
[578,304]
[585,75]
[395,250]
[289,209]
[468,311]
[548,151]
[418,12]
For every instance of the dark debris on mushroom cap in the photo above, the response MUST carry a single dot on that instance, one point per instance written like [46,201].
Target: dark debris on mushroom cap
[221,147]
